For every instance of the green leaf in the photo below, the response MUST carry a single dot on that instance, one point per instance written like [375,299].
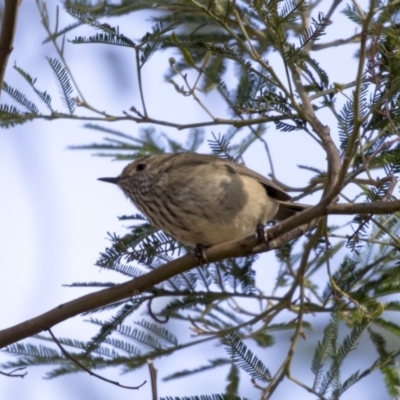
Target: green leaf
[212,364]
[65,83]
[245,359]
[388,325]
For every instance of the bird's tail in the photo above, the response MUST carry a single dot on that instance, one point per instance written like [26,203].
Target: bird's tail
[287,209]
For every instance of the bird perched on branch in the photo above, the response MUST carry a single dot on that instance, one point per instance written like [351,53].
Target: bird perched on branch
[201,199]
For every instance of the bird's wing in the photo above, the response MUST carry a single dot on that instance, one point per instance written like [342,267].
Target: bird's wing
[286,208]
[271,187]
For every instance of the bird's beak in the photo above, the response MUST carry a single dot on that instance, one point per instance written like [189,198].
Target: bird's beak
[111,180]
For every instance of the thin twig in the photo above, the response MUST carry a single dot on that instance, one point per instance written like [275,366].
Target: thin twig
[298,283]
[140,81]
[12,374]
[153,379]
[337,42]
[53,37]
[154,316]
[84,368]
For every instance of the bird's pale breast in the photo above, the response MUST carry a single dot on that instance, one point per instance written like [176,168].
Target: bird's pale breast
[211,205]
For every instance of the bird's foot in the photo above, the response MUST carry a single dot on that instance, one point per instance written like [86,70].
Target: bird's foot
[261,236]
[200,254]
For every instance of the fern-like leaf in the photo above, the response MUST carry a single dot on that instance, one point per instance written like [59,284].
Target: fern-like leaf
[21,98]
[323,350]
[65,83]
[314,32]
[245,358]
[212,364]
[387,364]
[43,95]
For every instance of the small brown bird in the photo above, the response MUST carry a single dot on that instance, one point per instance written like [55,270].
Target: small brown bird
[201,199]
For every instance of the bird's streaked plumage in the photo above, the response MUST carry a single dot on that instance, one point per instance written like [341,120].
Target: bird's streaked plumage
[203,199]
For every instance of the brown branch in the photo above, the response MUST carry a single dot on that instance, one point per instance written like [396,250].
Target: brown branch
[356,38]
[384,147]
[385,198]
[335,4]
[305,220]
[95,300]
[92,301]
[324,134]
[381,208]
[121,291]
[7,33]
[352,145]
[337,88]
[153,379]
[84,368]
[104,117]
[277,236]
[154,316]
[13,374]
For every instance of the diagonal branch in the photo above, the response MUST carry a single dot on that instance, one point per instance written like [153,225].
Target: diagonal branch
[7,33]
[277,236]
[92,301]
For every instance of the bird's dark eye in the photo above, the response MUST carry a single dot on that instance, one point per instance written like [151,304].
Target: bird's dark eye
[141,167]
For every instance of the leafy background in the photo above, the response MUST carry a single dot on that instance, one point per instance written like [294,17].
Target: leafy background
[55,214]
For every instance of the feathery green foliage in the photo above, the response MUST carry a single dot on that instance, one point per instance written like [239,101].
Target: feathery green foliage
[65,83]
[245,359]
[262,61]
